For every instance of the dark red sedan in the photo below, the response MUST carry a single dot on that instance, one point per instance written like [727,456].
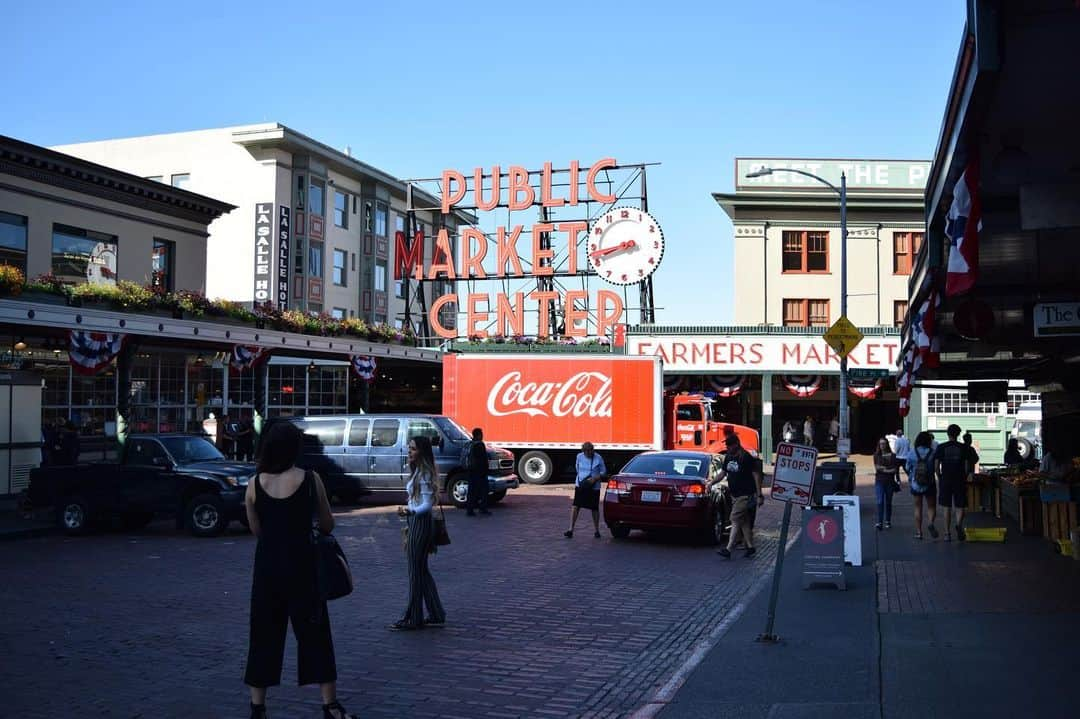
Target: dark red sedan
[667,490]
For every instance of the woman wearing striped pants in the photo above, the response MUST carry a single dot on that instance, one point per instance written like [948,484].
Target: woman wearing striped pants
[421,488]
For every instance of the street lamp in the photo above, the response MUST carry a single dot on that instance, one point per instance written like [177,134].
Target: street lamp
[842,191]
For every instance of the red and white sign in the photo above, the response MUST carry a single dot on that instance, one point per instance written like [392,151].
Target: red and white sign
[554,402]
[735,354]
[793,473]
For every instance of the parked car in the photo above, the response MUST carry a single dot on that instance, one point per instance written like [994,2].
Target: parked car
[667,490]
[367,454]
[182,476]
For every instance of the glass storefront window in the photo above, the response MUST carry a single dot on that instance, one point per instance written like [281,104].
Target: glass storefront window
[161,270]
[80,255]
[288,389]
[13,240]
[327,388]
[242,388]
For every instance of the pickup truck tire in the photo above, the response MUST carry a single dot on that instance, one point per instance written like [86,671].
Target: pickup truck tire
[619,531]
[497,496]
[205,516]
[536,467]
[1025,447]
[457,489]
[73,515]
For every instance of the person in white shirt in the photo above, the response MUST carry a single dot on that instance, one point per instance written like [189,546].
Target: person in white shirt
[422,486]
[589,471]
[902,450]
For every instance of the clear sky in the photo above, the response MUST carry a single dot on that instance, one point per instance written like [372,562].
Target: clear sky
[421,86]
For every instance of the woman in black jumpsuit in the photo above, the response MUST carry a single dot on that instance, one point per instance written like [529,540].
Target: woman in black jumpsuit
[280,503]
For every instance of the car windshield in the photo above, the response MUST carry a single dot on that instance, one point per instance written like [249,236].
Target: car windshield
[452,429]
[668,465]
[191,449]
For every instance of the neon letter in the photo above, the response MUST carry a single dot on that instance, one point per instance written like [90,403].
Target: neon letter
[510,316]
[452,195]
[472,265]
[590,180]
[606,320]
[496,188]
[433,317]
[519,182]
[506,251]
[539,254]
[574,315]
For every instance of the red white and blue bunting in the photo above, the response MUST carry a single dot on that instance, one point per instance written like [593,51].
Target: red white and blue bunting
[363,366]
[866,391]
[802,385]
[674,382]
[245,357]
[92,352]
[727,385]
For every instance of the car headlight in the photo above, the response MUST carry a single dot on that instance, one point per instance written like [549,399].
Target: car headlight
[232,481]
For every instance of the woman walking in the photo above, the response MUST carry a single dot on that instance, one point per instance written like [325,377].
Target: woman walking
[280,501]
[886,482]
[422,486]
[921,477]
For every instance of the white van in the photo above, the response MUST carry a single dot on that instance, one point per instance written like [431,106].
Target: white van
[1028,429]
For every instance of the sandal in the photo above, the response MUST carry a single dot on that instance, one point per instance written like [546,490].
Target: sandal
[403,626]
[334,710]
[918,535]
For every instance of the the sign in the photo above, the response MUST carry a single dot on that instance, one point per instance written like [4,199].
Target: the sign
[823,547]
[283,239]
[1056,319]
[852,528]
[843,337]
[793,473]
[861,174]
[867,374]
[263,290]
[739,354]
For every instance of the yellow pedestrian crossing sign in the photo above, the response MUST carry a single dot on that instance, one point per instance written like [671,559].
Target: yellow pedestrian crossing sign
[843,337]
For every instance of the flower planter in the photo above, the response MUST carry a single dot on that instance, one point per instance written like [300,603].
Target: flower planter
[44,298]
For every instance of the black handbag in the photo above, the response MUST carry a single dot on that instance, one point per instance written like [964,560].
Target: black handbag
[333,578]
[442,536]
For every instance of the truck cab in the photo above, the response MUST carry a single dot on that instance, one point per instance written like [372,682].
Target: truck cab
[689,424]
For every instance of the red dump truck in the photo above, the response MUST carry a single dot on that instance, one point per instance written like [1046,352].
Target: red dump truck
[543,407]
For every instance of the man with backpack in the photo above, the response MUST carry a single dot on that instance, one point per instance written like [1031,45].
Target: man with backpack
[475,461]
[952,461]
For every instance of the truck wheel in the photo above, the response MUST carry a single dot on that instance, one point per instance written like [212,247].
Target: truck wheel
[206,516]
[73,515]
[497,496]
[536,467]
[619,531]
[457,490]
[1026,449]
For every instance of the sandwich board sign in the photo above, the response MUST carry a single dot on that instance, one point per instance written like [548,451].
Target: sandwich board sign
[823,547]
[793,473]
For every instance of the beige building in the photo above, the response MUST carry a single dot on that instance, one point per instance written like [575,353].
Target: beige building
[787,241]
[334,218]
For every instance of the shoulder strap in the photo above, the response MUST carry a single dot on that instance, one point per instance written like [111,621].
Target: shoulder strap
[313,504]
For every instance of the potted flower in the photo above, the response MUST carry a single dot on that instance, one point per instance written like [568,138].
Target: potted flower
[12,280]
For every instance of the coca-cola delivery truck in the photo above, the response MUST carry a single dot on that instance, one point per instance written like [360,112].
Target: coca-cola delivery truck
[543,407]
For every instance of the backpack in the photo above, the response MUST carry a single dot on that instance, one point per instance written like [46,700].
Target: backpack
[920,477]
[471,458]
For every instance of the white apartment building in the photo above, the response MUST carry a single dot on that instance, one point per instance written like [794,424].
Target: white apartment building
[331,218]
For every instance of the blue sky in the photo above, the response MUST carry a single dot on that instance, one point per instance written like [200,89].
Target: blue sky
[463,84]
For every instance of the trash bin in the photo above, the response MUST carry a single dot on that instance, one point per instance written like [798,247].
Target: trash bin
[833,478]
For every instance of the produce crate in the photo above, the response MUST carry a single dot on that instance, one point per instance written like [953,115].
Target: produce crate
[985,534]
[1057,519]
[1054,492]
[1022,505]
[984,498]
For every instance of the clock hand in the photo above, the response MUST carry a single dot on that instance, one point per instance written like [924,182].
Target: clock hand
[629,244]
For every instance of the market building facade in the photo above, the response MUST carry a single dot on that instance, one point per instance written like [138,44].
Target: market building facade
[72,234]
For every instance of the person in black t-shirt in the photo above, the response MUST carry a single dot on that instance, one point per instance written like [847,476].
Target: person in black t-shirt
[953,463]
[743,475]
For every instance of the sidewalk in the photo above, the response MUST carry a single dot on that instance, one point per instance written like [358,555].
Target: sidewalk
[925,629]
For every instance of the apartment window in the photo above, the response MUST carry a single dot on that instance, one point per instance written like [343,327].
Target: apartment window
[338,313]
[13,240]
[399,324]
[354,262]
[905,249]
[806,251]
[156,178]
[399,223]
[399,289]
[316,194]
[899,312]
[806,313]
[380,277]
[315,259]
[300,192]
[80,255]
[161,268]
[181,181]
[381,213]
[369,217]
[341,209]
[339,267]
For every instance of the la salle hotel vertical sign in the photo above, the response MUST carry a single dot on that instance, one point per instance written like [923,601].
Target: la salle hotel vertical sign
[264,252]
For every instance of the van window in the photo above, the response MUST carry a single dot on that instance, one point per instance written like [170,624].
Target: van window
[384,433]
[688,412]
[358,432]
[422,428]
[330,433]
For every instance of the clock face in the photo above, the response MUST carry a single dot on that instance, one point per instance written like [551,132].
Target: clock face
[625,246]
[101,265]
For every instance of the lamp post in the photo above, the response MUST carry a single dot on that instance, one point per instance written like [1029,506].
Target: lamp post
[842,192]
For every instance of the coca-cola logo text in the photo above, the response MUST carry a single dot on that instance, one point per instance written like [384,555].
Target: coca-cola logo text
[583,394]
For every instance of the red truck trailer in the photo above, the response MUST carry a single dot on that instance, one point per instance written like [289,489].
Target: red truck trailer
[543,407]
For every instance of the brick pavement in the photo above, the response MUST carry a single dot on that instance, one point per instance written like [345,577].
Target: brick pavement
[155,624]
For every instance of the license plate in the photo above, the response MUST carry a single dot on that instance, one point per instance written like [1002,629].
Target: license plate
[649,496]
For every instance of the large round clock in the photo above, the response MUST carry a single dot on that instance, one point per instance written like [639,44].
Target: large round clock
[625,245]
[101,264]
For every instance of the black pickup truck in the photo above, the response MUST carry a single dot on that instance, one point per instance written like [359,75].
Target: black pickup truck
[182,476]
